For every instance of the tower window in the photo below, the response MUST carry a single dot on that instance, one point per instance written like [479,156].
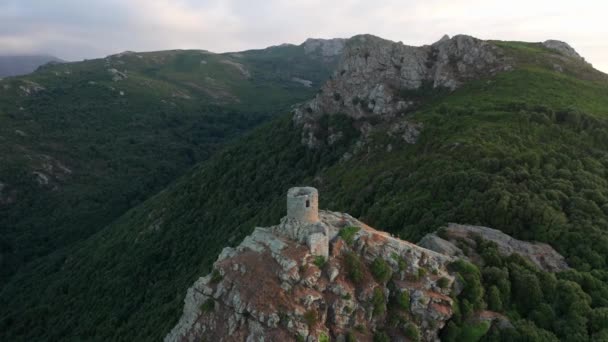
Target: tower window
[307,203]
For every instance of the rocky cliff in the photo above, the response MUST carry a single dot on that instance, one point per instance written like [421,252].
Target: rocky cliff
[275,287]
[381,81]
[460,241]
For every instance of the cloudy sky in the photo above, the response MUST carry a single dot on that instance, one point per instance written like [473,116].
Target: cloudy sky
[77,29]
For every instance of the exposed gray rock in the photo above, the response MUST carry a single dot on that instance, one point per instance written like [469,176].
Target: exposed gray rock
[117,75]
[376,80]
[303,82]
[407,130]
[270,283]
[563,48]
[41,178]
[439,245]
[541,254]
[324,47]
[31,88]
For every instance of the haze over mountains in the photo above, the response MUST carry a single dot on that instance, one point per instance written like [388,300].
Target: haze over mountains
[123,178]
[22,65]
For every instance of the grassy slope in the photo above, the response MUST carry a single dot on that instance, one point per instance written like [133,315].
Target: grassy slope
[506,152]
[177,108]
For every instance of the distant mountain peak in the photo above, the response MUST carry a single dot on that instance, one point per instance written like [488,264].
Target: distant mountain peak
[16,65]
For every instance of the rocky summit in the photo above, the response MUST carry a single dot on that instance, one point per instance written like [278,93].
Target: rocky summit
[379,80]
[278,285]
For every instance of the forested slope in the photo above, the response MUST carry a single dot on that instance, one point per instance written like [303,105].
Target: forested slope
[523,151]
[83,142]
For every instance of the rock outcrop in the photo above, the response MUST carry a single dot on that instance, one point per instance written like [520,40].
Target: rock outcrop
[272,287]
[31,88]
[455,235]
[381,81]
[326,48]
[563,48]
[117,75]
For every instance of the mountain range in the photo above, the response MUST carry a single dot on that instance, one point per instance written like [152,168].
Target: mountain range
[124,178]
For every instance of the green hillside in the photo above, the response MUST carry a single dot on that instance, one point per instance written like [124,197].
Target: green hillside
[524,152]
[81,143]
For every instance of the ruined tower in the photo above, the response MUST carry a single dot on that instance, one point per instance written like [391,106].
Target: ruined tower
[303,204]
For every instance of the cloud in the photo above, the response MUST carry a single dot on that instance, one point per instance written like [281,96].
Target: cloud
[76,29]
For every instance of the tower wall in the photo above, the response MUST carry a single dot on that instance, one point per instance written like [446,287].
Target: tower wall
[303,204]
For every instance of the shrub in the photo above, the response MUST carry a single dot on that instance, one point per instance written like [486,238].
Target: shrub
[381,270]
[421,272]
[323,337]
[208,305]
[284,319]
[412,332]
[216,276]
[354,267]
[403,300]
[443,282]
[348,234]
[310,317]
[494,299]
[381,336]
[378,303]
[400,261]
[473,289]
[350,337]
[320,261]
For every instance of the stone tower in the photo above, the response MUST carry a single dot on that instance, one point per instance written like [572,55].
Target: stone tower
[303,204]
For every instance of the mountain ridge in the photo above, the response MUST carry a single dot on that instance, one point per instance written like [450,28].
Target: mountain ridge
[521,151]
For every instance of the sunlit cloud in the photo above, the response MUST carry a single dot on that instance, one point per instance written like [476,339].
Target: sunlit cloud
[76,29]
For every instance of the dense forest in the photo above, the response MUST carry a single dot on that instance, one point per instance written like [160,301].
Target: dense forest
[524,152]
[84,142]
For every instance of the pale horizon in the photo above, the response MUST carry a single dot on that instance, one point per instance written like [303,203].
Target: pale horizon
[71,30]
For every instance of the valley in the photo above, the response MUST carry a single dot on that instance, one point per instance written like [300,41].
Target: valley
[506,135]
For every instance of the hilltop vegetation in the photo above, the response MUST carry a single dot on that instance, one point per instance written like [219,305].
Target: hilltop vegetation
[84,142]
[524,152]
